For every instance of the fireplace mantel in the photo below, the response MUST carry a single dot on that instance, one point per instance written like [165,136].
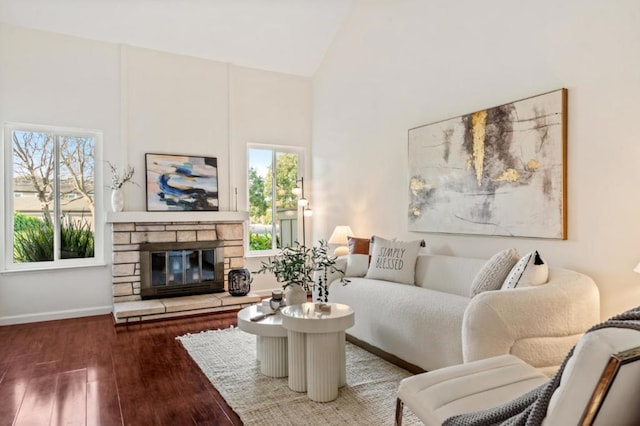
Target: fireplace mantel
[174,216]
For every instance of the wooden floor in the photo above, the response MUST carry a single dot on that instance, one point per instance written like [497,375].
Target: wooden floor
[85,371]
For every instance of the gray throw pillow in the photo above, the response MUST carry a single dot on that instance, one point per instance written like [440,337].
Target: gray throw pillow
[492,275]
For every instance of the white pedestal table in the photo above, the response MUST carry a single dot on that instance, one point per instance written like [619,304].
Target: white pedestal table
[271,340]
[316,348]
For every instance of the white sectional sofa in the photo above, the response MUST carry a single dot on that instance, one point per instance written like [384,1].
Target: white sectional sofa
[435,323]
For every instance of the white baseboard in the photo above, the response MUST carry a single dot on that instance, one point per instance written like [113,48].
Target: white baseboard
[56,315]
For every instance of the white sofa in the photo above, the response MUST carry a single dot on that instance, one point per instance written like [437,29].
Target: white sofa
[434,323]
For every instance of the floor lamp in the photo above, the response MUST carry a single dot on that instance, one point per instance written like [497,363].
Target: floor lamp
[303,203]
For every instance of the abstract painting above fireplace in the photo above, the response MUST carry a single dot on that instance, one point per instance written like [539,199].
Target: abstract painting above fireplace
[181,183]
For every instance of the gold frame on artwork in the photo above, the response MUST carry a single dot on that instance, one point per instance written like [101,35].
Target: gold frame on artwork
[501,171]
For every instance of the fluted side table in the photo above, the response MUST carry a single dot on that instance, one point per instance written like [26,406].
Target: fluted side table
[271,340]
[316,348]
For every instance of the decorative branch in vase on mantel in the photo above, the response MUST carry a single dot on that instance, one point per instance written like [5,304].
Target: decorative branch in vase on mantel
[117,182]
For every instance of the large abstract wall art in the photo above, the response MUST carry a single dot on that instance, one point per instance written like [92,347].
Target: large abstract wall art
[179,182]
[500,171]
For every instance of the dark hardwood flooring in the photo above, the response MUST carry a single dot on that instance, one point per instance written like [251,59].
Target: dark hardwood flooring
[86,371]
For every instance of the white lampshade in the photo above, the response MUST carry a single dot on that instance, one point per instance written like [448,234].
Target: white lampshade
[637,268]
[308,212]
[302,202]
[339,237]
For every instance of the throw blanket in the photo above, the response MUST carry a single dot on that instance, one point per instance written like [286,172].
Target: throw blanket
[531,408]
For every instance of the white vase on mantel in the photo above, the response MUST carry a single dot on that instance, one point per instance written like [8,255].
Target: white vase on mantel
[295,295]
[117,200]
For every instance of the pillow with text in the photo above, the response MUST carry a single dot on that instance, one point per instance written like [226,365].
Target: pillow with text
[393,260]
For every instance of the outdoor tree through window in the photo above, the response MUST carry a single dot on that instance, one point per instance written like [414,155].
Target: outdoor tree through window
[273,206]
[54,215]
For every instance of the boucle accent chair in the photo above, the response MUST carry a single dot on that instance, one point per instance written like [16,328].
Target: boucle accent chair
[435,323]
[599,385]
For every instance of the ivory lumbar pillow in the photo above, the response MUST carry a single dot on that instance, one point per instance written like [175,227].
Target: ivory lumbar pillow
[530,270]
[492,275]
[357,265]
[394,260]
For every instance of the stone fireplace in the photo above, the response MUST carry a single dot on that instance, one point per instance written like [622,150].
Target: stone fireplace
[196,258]
[192,252]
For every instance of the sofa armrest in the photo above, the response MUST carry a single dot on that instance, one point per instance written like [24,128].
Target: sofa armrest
[341,264]
[538,324]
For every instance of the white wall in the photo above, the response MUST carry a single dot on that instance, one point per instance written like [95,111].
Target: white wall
[174,105]
[401,64]
[62,81]
[268,108]
[145,102]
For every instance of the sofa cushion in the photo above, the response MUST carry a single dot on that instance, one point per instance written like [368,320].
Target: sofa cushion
[450,274]
[530,270]
[357,265]
[475,386]
[494,272]
[418,325]
[358,258]
[394,260]
[358,245]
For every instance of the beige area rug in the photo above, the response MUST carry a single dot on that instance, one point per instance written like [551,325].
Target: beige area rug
[228,358]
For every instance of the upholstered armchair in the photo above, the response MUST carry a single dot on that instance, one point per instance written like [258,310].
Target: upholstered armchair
[599,384]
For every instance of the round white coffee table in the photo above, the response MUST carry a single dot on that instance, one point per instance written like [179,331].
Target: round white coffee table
[271,340]
[316,348]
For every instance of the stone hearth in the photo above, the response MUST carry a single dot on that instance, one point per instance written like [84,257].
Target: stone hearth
[144,310]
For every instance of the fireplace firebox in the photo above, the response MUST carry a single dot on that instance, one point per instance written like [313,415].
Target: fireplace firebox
[181,269]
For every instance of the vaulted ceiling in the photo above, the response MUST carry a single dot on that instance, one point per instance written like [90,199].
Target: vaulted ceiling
[289,36]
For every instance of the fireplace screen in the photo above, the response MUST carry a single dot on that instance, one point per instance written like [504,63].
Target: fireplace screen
[181,269]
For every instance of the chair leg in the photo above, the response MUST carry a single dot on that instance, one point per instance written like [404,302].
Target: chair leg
[399,408]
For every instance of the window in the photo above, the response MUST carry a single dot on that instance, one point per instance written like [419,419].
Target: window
[53,222]
[273,200]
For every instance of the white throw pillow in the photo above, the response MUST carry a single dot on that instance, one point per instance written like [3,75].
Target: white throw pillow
[529,271]
[492,275]
[357,265]
[394,260]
